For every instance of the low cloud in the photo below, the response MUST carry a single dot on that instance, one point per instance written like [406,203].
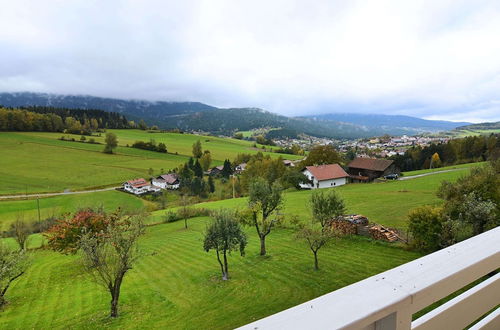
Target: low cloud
[431,59]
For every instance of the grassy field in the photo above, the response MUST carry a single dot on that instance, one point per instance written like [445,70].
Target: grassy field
[27,210]
[386,203]
[473,132]
[176,284]
[37,162]
[454,167]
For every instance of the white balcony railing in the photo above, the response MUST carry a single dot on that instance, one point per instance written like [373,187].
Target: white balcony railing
[388,300]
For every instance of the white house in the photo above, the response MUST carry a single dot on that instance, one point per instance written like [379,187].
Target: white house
[325,176]
[139,187]
[240,168]
[167,181]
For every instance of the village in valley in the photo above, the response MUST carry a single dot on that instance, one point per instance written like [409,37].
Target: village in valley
[250,165]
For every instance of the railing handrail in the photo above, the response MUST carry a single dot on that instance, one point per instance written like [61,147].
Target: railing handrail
[396,294]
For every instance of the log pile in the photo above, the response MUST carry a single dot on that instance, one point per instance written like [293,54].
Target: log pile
[384,234]
[343,227]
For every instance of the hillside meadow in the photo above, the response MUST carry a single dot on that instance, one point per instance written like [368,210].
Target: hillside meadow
[27,209]
[34,162]
[176,285]
[386,203]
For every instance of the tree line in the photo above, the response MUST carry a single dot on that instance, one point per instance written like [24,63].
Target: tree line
[456,151]
[46,119]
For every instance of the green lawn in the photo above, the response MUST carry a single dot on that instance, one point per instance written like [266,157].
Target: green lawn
[454,167]
[176,284]
[386,203]
[37,162]
[27,210]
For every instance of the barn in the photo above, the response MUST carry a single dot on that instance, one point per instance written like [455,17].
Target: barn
[368,169]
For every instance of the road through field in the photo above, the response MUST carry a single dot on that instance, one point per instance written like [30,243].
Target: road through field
[430,173]
[56,194]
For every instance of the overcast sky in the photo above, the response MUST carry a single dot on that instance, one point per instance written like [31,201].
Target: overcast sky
[432,59]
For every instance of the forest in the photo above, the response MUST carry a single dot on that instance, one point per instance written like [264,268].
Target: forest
[48,119]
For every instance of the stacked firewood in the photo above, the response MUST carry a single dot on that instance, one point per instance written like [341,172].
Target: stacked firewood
[381,233]
[343,227]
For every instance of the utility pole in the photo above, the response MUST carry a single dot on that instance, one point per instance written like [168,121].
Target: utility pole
[38,206]
[234,177]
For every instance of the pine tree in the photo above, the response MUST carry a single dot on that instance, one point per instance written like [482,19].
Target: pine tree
[197,169]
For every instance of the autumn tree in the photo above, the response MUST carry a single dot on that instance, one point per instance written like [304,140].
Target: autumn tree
[197,150]
[65,235]
[111,143]
[109,256]
[224,235]
[323,154]
[326,206]
[13,264]
[435,161]
[206,160]
[264,200]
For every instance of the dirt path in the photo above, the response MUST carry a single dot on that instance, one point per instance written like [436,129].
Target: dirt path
[56,194]
[430,173]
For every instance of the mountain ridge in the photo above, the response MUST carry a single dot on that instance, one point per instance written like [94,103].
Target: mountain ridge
[194,116]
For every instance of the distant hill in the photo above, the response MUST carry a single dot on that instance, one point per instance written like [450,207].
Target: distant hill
[151,112]
[192,116]
[392,123]
[481,126]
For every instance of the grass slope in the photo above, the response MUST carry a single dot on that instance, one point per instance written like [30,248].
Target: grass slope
[386,203]
[10,210]
[37,162]
[176,285]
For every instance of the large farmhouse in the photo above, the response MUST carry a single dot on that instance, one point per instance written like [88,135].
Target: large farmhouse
[324,176]
[368,169]
[167,181]
[139,187]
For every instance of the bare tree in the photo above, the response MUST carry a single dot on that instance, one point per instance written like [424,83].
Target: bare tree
[316,238]
[224,235]
[13,264]
[185,210]
[21,232]
[109,256]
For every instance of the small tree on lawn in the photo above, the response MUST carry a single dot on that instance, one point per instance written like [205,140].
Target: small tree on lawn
[316,238]
[264,199]
[224,235]
[13,264]
[326,206]
[66,234]
[111,143]
[21,233]
[111,254]
[185,210]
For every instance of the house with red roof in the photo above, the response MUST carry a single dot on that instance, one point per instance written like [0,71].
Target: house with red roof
[324,176]
[139,187]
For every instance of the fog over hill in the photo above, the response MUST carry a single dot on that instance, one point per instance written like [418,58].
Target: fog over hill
[199,116]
